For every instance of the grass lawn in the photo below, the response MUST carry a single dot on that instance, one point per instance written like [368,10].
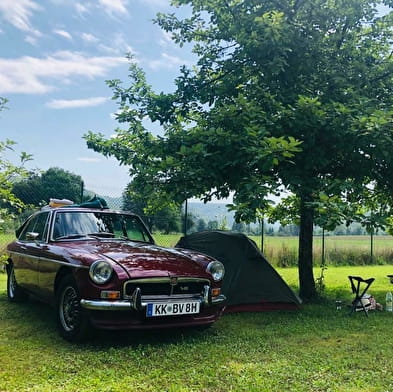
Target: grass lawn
[314,349]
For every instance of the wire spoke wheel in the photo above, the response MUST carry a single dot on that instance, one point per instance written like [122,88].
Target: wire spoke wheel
[69,309]
[72,320]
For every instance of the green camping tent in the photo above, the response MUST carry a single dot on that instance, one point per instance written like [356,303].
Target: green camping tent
[250,282]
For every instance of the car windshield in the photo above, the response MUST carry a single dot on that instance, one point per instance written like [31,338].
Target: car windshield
[80,224]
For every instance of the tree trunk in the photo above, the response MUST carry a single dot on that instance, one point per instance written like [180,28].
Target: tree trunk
[306,276]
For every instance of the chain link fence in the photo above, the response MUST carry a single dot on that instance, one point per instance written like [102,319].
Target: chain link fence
[167,229]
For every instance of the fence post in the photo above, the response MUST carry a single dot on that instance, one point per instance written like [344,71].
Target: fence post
[82,188]
[262,234]
[323,247]
[185,217]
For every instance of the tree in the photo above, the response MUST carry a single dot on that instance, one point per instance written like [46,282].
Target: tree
[166,219]
[212,225]
[9,173]
[3,102]
[285,95]
[57,183]
[239,227]
[201,225]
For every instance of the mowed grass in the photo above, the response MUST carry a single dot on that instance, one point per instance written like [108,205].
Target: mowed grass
[314,349]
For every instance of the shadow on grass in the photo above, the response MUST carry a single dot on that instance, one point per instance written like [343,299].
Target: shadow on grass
[35,322]
[34,319]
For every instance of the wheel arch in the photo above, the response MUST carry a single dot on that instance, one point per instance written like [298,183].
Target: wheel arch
[61,273]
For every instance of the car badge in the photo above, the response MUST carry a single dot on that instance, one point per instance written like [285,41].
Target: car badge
[173,280]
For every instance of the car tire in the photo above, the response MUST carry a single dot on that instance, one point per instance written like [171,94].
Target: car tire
[14,292]
[72,319]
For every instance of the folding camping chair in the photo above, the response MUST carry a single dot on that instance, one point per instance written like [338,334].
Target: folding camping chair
[357,302]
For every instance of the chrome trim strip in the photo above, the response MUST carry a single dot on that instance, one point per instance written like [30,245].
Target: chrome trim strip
[168,297]
[127,305]
[46,259]
[164,279]
[219,300]
[167,279]
[106,305]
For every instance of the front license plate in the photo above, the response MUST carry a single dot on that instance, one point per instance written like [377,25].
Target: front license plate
[172,308]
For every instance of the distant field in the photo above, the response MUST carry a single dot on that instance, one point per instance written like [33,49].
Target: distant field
[282,251]
[339,250]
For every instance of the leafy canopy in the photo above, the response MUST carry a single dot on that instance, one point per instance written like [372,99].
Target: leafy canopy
[288,95]
[167,219]
[55,182]
[9,173]
[280,95]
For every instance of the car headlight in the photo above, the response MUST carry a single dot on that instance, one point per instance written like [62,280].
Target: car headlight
[100,271]
[217,270]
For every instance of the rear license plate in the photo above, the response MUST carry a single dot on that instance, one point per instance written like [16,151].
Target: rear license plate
[172,308]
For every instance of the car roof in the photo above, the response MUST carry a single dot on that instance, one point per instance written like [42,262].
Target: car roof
[84,209]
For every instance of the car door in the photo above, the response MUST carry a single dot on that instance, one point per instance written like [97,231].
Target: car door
[30,243]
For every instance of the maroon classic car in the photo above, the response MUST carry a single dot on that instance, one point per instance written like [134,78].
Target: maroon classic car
[101,268]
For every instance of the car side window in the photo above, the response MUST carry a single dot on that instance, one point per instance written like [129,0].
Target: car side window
[36,229]
[135,230]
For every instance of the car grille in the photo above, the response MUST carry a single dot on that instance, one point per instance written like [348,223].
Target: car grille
[166,287]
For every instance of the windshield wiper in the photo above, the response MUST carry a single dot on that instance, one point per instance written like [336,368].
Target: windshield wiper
[70,237]
[101,234]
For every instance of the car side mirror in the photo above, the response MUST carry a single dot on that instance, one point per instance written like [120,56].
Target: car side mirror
[32,236]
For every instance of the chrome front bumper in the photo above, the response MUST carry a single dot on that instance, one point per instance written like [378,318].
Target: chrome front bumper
[136,304]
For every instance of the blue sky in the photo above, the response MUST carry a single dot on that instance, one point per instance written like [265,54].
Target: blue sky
[54,59]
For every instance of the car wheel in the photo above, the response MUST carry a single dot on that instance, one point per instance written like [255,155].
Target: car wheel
[14,292]
[72,319]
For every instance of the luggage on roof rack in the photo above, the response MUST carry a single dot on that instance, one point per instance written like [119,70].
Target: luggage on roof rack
[94,202]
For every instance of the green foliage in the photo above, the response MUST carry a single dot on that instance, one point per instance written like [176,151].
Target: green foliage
[3,102]
[167,219]
[201,225]
[195,157]
[284,95]
[58,183]
[9,174]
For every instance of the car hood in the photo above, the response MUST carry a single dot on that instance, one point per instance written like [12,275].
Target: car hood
[147,260]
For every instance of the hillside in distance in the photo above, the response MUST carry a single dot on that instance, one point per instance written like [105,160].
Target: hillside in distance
[208,212]
[211,212]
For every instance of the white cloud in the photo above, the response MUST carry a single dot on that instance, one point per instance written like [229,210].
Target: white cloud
[166,39]
[166,62]
[81,9]
[119,46]
[157,3]
[32,75]
[63,33]
[113,7]
[89,160]
[76,103]
[18,13]
[31,40]
[90,38]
